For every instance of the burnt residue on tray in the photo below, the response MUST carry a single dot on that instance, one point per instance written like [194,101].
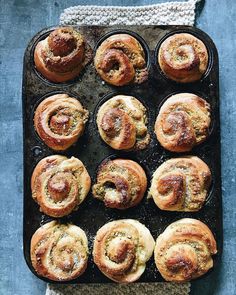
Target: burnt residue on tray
[91,150]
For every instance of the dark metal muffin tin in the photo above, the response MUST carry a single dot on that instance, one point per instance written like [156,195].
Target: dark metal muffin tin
[91,150]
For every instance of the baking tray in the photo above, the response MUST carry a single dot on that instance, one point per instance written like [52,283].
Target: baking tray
[92,92]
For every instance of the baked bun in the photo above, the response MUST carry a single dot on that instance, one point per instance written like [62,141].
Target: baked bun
[183,58]
[183,251]
[60,120]
[120,60]
[122,123]
[59,252]
[120,183]
[59,185]
[183,122]
[62,55]
[181,184]
[122,248]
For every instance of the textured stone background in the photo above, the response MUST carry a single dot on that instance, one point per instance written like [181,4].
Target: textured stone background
[19,21]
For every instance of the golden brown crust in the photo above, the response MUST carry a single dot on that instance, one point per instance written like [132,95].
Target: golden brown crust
[183,58]
[120,60]
[183,122]
[120,183]
[183,251]
[122,248]
[59,251]
[122,123]
[62,55]
[181,184]
[60,120]
[59,185]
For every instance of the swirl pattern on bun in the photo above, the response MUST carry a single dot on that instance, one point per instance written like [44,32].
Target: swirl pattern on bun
[59,252]
[122,248]
[181,184]
[122,123]
[120,60]
[183,122]
[60,120]
[183,58]
[121,183]
[184,250]
[62,55]
[59,185]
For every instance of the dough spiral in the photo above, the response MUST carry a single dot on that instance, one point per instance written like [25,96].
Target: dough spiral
[184,250]
[62,55]
[60,120]
[122,248]
[183,58]
[59,185]
[122,123]
[59,251]
[181,184]
[120,183]
[183,122]
[120,60]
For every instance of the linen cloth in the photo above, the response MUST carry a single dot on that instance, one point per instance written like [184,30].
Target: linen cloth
[169,13]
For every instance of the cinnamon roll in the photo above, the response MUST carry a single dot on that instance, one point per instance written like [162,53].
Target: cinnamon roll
[59,252]
[60,120]
[120,60]
[183,58]
[120,183]
[122,123]
[183,122]
[184,250]
[122,248]
[181,184]
[62,55]
[59,185]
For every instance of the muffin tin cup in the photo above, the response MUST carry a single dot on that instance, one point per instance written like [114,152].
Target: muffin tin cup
[92,92]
